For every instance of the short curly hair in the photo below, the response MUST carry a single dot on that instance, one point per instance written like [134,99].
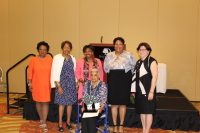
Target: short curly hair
[118,39]
[66,42]
[43,43]
[89,46]
[146,45]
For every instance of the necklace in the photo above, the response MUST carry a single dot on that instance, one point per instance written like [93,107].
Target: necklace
[94,84]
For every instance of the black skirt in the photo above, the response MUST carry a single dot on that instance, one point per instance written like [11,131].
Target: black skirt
[143,105]
[119,85]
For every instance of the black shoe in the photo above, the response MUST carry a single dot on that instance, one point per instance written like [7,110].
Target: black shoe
[60,129]
[69,126]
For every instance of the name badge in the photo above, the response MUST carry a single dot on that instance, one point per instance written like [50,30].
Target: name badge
[89,106]
[97,106]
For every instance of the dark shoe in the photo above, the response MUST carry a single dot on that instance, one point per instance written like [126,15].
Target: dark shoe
[69,126]
[60,129]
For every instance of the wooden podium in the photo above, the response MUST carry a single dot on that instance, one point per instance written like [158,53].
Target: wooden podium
[101,50]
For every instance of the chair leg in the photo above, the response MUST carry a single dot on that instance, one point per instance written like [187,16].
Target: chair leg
[106,131]
[78,129]
[100,130]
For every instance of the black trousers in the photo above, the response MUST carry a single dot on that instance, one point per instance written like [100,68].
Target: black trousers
[88,125]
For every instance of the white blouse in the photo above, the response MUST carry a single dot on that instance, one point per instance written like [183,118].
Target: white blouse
[57,67]
[123,61]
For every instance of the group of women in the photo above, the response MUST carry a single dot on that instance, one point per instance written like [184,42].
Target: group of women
[83,79]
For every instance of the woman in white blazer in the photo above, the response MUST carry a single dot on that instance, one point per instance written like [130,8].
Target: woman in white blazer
[63,78]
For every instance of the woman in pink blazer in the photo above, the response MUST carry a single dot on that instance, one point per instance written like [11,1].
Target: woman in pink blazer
[84,65]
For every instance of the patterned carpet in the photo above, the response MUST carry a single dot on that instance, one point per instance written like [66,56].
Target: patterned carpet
[32,127]
[14,123]
[11,124]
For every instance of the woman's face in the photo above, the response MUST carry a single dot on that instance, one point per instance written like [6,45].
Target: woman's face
[42,51]
[143,52]
[66,49]
[119,46]
[88,53]
[94,76]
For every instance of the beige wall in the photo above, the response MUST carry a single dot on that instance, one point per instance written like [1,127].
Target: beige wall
[4,48]
[172,28]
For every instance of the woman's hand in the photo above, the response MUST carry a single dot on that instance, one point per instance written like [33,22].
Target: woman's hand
[133,94]
[82,109]
[101,109]
[81,80]
[30,86]
[60,90]
[77,86]
[150,96]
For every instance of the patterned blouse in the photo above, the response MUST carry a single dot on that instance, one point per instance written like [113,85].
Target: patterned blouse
[123,61]
[94,95]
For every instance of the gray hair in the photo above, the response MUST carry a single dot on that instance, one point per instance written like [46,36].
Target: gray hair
[94,69]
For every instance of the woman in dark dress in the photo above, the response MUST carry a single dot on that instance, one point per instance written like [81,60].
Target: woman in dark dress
[144,84]
[119,65]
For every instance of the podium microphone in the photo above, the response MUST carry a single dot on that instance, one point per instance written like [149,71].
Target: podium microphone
[101,40]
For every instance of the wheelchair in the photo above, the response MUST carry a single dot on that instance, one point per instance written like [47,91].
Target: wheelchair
[103,118]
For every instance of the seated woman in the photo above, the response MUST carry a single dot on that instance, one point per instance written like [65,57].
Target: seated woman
[94,93]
